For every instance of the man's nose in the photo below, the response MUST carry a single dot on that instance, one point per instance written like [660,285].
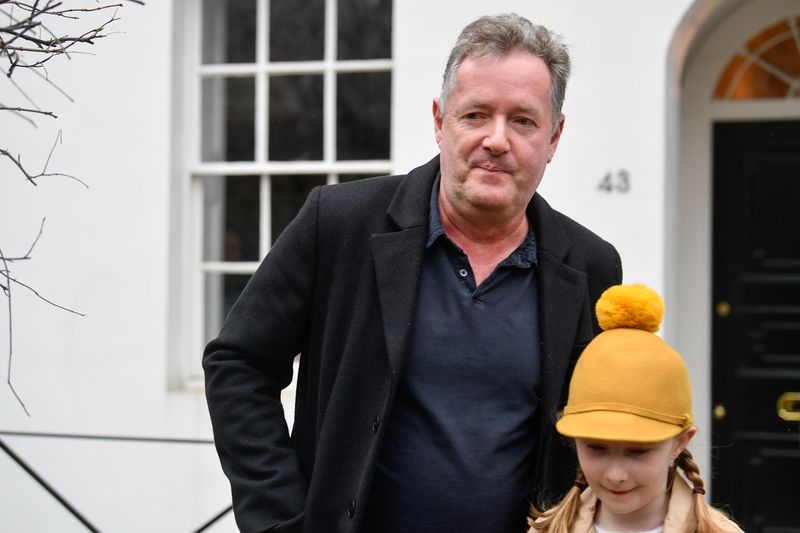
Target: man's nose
[496,139]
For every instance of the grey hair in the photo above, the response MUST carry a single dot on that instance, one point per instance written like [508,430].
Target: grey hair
[500,35]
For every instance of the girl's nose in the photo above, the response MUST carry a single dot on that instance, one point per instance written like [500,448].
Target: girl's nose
[616,473]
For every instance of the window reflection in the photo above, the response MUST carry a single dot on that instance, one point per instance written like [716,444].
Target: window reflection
[296,30]
[228,119]
[363,114]
[295,118]
[230,218]
[365,29]
[229,31]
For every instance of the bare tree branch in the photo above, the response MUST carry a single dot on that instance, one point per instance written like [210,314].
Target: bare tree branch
[23,35]
[43,174]
[28,40]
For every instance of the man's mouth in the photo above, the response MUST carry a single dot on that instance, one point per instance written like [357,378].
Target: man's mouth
[493,168]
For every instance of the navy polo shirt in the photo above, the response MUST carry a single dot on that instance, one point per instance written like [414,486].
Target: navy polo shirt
[461,437]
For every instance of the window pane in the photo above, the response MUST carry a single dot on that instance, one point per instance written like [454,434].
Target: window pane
[756,82]
[221,292]
[363,104]
[230,218]
[296,30]
[365,29]
[228,123]
[288,195]
[295,118]
[229,31]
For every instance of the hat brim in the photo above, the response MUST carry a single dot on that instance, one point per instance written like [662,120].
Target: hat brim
[616,426]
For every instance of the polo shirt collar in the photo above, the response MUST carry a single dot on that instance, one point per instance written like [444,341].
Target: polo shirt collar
[524,256]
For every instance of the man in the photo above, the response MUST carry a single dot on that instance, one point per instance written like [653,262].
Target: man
[437,316]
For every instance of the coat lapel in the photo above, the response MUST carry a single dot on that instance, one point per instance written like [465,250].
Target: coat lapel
[562,296]
[398,256]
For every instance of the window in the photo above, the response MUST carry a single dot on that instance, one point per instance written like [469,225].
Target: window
[766,66]
[290,94]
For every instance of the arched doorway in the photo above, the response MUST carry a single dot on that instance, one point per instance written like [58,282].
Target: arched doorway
[736,281]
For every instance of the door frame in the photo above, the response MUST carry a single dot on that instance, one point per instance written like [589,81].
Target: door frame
[702,45]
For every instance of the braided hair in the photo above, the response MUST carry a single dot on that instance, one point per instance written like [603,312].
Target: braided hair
[559,519]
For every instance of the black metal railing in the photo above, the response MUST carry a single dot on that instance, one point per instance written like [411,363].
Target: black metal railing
[61,499]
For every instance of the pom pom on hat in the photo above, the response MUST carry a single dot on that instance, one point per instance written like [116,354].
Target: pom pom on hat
[630,306]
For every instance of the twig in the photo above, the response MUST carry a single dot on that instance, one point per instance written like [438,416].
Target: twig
[7,291]
[23,117]
[34,291]
[43,174]
[30,250]
[36,240]
[27,110]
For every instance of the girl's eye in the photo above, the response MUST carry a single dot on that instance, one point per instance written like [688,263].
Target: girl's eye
[638,451]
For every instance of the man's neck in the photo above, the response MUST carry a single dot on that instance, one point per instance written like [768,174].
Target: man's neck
[486,241]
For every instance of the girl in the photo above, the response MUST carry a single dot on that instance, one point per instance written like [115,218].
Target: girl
[629,412]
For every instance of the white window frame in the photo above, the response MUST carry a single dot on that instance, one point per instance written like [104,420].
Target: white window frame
[188,269]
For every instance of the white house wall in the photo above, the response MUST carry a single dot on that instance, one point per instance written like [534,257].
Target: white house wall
[106,250]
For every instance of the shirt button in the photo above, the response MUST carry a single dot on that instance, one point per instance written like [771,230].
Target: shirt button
[376,424]
[351,508]
[463,272]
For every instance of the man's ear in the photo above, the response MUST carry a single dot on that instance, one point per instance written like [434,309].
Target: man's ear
[554,138]
[437,120]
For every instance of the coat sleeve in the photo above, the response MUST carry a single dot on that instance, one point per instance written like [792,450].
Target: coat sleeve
[248,365]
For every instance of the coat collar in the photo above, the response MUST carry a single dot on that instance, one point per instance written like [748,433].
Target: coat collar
[409,207]
[398,259]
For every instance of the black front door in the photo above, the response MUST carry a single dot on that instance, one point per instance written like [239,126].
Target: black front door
[756,324]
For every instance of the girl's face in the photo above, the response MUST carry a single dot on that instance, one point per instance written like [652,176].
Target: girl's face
[630,480]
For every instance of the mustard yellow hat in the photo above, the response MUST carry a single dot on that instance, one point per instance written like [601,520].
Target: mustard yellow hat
[628,385]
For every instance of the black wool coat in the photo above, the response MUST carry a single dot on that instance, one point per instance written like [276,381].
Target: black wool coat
[339,287]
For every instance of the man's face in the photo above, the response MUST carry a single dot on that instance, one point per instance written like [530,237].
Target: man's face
[496,135]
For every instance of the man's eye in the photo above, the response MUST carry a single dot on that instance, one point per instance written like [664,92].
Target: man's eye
[472,116]
[522,121]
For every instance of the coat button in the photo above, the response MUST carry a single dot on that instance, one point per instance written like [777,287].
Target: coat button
[376,424]
[351,508]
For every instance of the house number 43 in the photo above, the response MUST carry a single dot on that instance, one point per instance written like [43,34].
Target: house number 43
[619,181]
